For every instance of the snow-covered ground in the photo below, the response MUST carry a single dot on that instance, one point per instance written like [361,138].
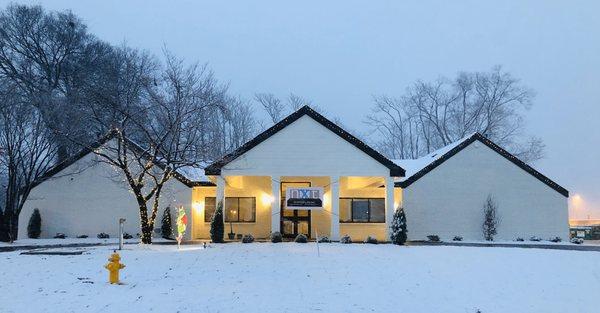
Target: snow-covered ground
[290,277]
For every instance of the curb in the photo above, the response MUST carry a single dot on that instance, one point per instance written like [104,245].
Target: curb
[508,245]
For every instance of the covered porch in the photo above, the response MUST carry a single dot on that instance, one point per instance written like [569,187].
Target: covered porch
[358,206]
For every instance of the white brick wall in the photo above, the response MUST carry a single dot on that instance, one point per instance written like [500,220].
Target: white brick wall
[448,201]
[84,200]
[305,148]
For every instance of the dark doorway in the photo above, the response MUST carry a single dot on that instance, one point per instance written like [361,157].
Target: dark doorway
[294,222]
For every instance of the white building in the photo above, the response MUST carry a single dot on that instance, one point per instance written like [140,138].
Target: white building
[442,193]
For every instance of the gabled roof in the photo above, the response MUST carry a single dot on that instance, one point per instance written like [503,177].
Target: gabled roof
[215,168]
[189,176]
[420,167]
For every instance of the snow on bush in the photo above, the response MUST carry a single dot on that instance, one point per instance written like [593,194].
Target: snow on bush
[535,238]
[346,239]
[490,219]
[398,227]
[60,236]
[82,236]
[433,238]
[301,238]
[519,239]
[577,241]
[323,239]
[457,238]
[276,237]
[555,239]
[371,239]
[127,236]
[103,236]
[248,239]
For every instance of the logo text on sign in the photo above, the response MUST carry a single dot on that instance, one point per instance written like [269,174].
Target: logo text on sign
[305,198]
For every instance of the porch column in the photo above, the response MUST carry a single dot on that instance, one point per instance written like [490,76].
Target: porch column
[221,193]
[335,208]
[389,205]
[275,205]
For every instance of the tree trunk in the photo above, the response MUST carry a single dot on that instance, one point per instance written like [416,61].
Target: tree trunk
[4,237]
[9,226]
[14,227]
[146,228]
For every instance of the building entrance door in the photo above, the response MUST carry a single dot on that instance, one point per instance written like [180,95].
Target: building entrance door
[294,222]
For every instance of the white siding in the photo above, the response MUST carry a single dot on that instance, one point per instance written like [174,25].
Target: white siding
[448,201]
[305,148]
[85,199]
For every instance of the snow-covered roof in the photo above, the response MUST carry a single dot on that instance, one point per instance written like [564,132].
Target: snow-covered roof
[413,166]
[417,168]
[195,173]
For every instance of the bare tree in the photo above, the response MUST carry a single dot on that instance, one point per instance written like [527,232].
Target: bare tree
[165,122]
[396,128]
[431,115]
[241,124]
[490,219]
[272,105]
[295,102]
[27,153]
[161,118]
[43,54]
[276,108]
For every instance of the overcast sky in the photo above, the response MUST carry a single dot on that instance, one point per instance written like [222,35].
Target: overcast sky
[340,53]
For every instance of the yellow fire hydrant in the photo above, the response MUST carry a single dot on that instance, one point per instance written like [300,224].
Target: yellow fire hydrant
[113,268]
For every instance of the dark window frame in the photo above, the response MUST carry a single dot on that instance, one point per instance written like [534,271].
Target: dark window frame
[238,211]
[351,221]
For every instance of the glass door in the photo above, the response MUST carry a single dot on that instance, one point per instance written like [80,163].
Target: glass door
[294,222]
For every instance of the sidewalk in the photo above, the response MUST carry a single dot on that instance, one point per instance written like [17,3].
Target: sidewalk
[552,246]
[30,244]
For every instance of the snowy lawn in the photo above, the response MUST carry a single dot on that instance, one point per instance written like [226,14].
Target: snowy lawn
[289,277]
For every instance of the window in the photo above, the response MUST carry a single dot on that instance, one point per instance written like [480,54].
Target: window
[237,209]
[362,210]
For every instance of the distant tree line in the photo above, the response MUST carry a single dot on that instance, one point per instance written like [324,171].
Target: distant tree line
[62,89]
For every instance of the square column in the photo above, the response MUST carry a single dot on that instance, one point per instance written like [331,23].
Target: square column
[221,193]
[335,208]
[389,205]
[275,205]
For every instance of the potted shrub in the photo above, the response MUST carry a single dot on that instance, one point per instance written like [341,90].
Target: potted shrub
[231,234]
